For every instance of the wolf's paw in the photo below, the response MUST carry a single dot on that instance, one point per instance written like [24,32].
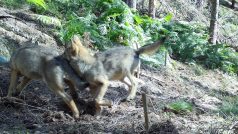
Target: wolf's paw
[76,116]
[98,109]
[107,103]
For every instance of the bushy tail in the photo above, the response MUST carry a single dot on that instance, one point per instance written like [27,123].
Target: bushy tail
[150,48]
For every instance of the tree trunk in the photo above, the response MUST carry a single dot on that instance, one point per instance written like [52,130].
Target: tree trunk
[233,2]
[213,30]
[152,4]
[199,3]
[126,1]
[131,3]
[143,4]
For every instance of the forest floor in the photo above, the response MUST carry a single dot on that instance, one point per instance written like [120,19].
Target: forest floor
[38,110]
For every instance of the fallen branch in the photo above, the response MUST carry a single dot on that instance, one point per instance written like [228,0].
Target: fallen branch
[21,102]
[160,81]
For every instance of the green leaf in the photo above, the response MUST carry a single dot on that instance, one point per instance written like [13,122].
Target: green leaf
[40,3]
[138,19]
[168,17]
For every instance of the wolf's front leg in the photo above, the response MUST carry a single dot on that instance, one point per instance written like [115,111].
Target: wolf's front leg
[100,94]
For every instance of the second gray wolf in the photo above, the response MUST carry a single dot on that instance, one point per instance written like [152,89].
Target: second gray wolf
[113,64]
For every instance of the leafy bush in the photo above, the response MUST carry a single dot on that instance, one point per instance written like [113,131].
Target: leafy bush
[189,43]
[79,25]
[108,21]
[223,57]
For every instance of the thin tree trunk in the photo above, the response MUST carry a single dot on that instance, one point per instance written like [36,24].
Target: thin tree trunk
[233,2]
[126,1]
[152,4]
[199,3]
[213,22]
[132,3]
[143,4]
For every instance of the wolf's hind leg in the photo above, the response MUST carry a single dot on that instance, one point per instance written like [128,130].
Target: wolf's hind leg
[124,80]
[132,90]
[22,85]
[13,83]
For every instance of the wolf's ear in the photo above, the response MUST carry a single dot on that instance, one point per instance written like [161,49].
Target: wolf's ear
[69,52]
[76,40]
[74,50]
[75,45]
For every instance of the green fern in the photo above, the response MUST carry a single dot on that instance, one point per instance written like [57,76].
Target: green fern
[39,3]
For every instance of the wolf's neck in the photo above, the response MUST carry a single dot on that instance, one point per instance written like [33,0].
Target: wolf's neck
[83,61]
[86,56]
[82,65]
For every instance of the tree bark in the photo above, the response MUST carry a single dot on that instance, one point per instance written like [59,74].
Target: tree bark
[126,1]
[213,30]
[131,3]
[143,4]
[199,3]
[233,2]
[152,4]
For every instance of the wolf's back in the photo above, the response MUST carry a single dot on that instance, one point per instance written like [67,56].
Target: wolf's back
[31,56]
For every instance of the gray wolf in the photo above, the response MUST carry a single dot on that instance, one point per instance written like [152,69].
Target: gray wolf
[42,63]
[113,64]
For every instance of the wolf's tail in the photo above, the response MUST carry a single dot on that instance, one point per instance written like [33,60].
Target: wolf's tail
[150,48]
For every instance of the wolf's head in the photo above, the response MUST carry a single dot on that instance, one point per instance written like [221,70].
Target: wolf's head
[76,49]
[78,55]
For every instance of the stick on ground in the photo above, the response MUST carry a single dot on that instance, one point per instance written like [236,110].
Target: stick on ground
[145,104]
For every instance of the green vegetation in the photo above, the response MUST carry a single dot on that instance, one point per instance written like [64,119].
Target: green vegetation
[229,106]
[189,43]
[112,22]
[13,3]
[180,107]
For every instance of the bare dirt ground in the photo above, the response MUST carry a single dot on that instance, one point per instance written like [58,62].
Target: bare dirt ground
[38,110]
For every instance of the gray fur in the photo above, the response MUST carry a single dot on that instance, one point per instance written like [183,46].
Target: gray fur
[37,62]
